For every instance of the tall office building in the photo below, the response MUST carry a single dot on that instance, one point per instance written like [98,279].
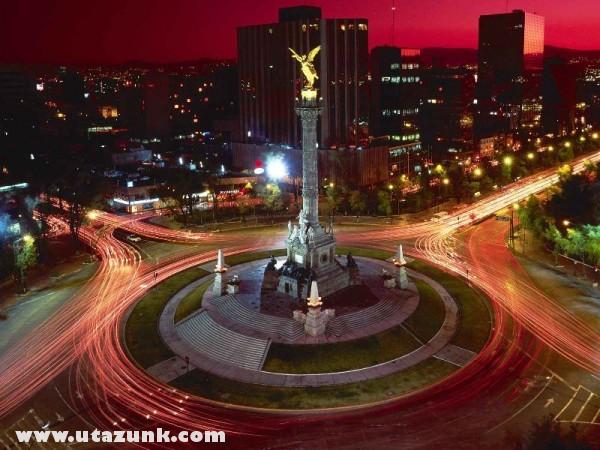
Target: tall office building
[395,97]
[446,114]
[559,113]
[270,79]
[511,51]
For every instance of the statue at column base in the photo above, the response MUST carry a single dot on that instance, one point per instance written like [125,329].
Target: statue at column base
[233,285]
[388,280]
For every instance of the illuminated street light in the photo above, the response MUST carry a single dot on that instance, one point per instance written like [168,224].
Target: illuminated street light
[594,135]
[446,181]
[567,144]
[276,168]
[332,184]
[551,148]
[390,186]
[530,155]
[566,222]
[581,138]
[477,172]
[508,161]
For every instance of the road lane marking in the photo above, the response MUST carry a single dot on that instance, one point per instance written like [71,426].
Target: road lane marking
[568,403]
[578,415]
[596,416]
[522,408]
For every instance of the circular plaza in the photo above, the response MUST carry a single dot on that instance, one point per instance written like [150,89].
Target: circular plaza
[230,337]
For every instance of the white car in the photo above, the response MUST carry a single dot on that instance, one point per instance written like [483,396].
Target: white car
[134,238]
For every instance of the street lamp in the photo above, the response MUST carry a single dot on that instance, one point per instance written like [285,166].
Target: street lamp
[530,155]
[511,234]
[567,144]
[446,181]
[594,135]
[276,168]
[477,172]
[508,161]
[566,222]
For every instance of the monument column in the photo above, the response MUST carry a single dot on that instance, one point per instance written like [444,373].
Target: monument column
[309,112]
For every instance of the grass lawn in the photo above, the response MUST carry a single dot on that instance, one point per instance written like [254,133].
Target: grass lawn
[242,258]
[209,386]
[340,356]
[428,318]
[141,333]
[475,318]
[366,252]
[192,301]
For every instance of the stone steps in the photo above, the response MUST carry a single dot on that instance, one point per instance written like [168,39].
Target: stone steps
[230,307]
[341,325]
[221,344]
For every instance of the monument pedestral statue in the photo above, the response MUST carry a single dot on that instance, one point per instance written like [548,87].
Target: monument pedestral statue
[310,249]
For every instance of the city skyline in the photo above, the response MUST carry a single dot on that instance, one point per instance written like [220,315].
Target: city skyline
[73,33]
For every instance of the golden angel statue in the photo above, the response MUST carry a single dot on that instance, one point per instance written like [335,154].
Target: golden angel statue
[307,66]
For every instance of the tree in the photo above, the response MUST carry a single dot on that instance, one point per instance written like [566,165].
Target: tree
[243,206]
[549,435]
[383,203]
[179,191]
[335,198]
[358,202]
[25,250]
[272,198]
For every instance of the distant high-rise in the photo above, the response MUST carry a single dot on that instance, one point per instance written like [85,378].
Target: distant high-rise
[446,123]
[559,113]
[269,77]
[511,51]
[395,99]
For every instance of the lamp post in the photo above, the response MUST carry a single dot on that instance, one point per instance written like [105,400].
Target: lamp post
[514,207]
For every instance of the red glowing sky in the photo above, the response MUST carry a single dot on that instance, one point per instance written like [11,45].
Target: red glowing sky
[79,31]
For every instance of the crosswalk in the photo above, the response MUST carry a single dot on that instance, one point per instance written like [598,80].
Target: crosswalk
[583,407]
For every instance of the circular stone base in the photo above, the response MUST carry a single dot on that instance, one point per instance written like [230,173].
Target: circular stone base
[229,339]
[232,376]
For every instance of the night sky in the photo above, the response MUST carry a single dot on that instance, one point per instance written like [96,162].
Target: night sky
[112,31]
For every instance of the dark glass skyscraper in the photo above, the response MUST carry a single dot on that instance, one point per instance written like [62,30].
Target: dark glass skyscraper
[511,51]
[395,97]
[270,79]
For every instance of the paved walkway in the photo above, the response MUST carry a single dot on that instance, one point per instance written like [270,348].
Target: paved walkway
[227,370]
[455,355]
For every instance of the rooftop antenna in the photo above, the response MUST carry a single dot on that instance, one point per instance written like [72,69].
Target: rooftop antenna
[393,20]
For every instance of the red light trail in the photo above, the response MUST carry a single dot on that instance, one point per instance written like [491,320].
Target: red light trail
[85,334]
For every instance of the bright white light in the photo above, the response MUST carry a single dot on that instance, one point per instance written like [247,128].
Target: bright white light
[276,168]
[259,171]
[180,161]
